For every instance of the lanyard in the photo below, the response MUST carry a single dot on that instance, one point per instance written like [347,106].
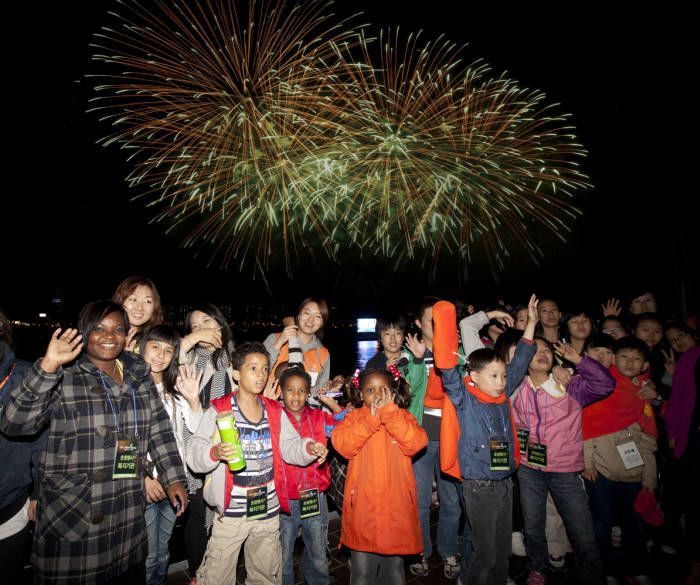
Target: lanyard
[526,407]
[2,385]
[111,406]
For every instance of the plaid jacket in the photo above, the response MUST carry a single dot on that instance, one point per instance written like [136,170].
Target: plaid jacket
[90,528]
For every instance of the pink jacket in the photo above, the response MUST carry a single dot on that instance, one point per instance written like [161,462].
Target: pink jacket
[556,422]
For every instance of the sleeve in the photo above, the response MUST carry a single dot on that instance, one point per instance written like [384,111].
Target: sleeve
[292,447]
[403,427]
[272,352]
[592,383]
[325,373]
[330,420]
[588,448]
[162,445]
[30,404]
[350,435]
[190,418]
[454,387]
[469,329]
[516,370]
[198,453]
[296,355]
[417,376]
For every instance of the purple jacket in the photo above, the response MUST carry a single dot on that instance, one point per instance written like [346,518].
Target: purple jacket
[682,402]
[556,422]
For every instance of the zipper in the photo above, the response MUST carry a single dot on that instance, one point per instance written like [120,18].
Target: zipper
[352,494]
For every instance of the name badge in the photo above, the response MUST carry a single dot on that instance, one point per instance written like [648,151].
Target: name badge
[536,454]
[309,504]
[256,503]
[523,438]
[499,455]
[630,455]
[126,453]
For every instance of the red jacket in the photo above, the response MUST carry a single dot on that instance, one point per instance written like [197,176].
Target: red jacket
[312,424]
[380,513]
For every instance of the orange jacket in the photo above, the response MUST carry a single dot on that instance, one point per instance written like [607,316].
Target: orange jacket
[380,512]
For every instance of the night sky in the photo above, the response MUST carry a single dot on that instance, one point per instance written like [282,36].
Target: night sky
[69,224]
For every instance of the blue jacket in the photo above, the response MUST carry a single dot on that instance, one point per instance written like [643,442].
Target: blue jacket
[19,455]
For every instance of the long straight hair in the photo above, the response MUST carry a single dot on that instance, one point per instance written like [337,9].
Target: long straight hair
[165,334]
[226,334]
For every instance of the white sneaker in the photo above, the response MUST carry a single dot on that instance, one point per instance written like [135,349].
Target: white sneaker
[518,545]
[419,569]
[451,567]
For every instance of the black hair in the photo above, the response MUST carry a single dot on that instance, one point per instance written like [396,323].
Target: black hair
[461,310]
[620,320]
[165,334]
[426,303]
[645,317]
[226,335]
[514,312]
[295,371]
[506,340]
[564,325]
[681,327]
[388,321]
[484,331]
[401,388]
[246,349]
[481,358]
[599,340]
[92,314]
[631,342]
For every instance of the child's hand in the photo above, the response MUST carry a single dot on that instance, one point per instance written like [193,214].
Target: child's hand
[561,376]
[611,308]
[590,473]
[320,450]
[670,363]
[154,491]
[223,452]
[415,346]
[63,348]
[187,384]
[392,361]
[502,317]
[568,352]
[272,389]
[289,332]
[648,391]
[470,309]
[382,399]
[532,314]
[329,401]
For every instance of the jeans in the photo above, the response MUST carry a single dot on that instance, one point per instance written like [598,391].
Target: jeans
[603,494]
[372,569]
[490,510]
[160,520]
[570,499]
[426,465]
[314,533]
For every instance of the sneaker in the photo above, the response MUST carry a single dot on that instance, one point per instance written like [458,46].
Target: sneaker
[451,567]
[536,579]
[518,545]
[557,563]
[419,569]
[616,536]
[642,580]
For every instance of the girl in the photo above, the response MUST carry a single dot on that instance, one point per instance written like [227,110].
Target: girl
[139,297]
[614,327]
[577,327]
[180,397]
[207,346]
[379,438]
[300,342]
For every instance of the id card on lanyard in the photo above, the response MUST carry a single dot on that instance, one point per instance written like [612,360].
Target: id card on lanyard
[536,448]
[499,448]
[256,503]
[629,453]
[309,497]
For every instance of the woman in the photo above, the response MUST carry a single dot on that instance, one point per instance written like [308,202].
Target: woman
[300,342]
[104,415]
[139,297]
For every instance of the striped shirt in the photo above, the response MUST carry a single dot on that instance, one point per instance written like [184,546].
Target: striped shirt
[256,442]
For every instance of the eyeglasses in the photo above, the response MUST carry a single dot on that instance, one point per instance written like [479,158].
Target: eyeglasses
[613,330]
[677,338]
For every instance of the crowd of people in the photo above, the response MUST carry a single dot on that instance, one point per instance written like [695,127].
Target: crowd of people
[536,431]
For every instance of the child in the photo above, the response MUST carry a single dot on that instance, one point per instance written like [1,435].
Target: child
[391,331]
[619,443]
[180,397]
[380,514]
[614,327]
[548,417]
[305,486]
[248,502]
[601,348]
[488,452]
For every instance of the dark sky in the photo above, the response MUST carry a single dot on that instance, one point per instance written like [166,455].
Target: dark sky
[623,73]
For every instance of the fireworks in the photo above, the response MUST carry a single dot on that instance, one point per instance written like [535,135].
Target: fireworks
[273,131]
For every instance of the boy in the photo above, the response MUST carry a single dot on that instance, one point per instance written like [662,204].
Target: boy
[247,502]
[619,443]
[305,486]
[391,331]
[488,453]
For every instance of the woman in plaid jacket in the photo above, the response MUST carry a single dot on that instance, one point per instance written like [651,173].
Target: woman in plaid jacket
[104,414]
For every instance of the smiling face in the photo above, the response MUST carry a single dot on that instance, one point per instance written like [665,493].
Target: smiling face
[158,355]
[491,378]
[139,306]
[252,376]
[630,362]
[680,340]
[310,319]
[295,394]
[543,359]
[580,326]
[200,320]
[372,386]
[107,340]
[649,331]
[391,339]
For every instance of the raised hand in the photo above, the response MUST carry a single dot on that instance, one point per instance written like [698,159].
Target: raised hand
[670,361]
[568,352]
[272,389]
[470,309]
[611,308]
[188,382]
[532,314]
[63,348]
[502,317]
[415,345]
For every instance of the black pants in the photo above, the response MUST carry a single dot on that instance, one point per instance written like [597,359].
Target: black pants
[195,531]
[12,556]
